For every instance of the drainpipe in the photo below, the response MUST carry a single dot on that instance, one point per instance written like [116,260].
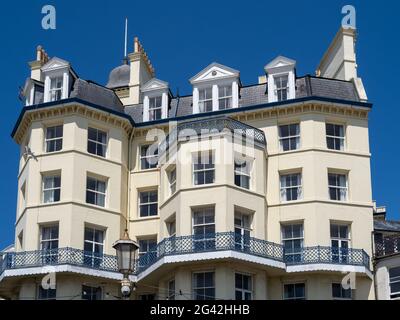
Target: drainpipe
[374,264]
[128,208]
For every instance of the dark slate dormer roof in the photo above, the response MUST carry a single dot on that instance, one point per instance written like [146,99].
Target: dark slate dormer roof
[254,95]
[387,225]
[97,94]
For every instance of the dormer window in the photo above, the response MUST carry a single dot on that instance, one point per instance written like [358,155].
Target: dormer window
[58,78]
[281,79]
[225,97]
[155,100]
[56,88]
[215,88]
[205,100]
[281,85]
[155,108]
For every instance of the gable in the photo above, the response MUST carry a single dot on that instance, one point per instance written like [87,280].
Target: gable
[154,84]
[55,63]
[280,62]
[214,71]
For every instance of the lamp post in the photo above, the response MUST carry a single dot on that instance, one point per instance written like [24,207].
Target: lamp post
[126,258]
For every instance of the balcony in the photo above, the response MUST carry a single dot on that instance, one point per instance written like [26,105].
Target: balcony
[213,126]
[387,246]
[186,245]
[56,257]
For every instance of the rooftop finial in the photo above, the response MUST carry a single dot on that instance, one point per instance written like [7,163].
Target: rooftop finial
[125,61]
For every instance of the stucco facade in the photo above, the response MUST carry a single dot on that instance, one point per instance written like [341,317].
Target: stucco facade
[161,205]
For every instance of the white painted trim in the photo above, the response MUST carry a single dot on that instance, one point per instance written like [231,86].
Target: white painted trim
[215,101]
[328,267]
[59,269]
[202,256]
[196,100]
[146,108]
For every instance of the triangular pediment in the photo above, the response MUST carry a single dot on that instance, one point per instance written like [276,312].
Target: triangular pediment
[154,84]
[214,71]
[55,63]
[280,62]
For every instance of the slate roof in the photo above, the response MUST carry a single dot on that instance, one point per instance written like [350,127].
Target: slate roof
[97,94]
[253,95]
[306,86]
[387,225]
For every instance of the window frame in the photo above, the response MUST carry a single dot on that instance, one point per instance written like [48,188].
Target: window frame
[394,295]
[203,171]
[92,293]
[204,287]
[48,292]
[225,98]
[294,284]
[149,203]
[172,180]
[338,187]
[299,251]
[204,238]
[51,239]
[96,192]
[289,137]
[55,139]
[93,241]
[53,91]
[242,290]
[204,103]
[151,166]
[155,109]
[342,139]
[149,249]
[242,174]
[279,90]
[171,292]
[342,292]
[283,190]
[98,143]
[52,189]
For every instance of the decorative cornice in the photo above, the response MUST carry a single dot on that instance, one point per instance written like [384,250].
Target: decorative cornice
[69,107]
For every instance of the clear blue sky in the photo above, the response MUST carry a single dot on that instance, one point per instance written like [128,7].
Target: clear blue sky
[183,37]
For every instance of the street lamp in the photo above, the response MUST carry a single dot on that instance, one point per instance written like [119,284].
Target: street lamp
[126,257]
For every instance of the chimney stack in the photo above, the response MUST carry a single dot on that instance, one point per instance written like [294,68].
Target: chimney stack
[141,71]
[41,59]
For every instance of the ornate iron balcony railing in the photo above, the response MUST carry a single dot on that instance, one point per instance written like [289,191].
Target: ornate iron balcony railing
[387,245]
[60,256]
[221,241]
[213,126]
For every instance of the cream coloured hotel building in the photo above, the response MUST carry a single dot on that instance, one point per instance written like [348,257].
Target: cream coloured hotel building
[235,191]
